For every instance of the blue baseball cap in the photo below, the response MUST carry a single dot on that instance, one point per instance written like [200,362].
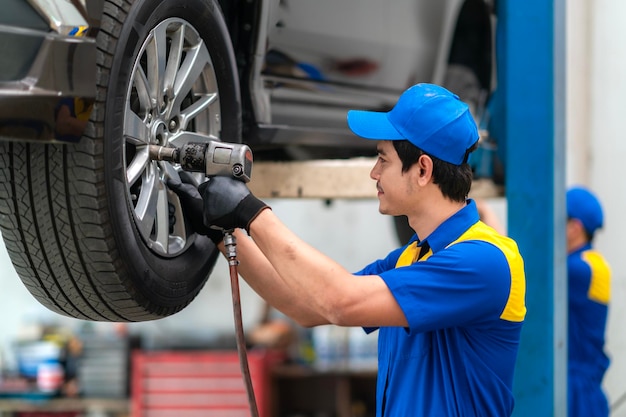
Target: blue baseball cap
[583,205]
[427,115]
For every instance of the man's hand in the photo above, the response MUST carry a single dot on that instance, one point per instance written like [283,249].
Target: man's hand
[229,204]
[192,205]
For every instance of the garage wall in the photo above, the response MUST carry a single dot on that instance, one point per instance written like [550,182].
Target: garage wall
[597,148]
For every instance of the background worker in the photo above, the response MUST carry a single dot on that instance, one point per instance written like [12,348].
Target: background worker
[449,305]
[589,282]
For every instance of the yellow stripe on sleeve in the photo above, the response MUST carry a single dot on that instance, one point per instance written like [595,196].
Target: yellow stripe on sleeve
[600,286]
[515,308]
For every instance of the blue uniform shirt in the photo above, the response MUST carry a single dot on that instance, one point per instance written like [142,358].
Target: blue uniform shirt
[589,287]
[464,300]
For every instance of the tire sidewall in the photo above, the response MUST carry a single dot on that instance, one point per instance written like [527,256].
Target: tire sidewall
[166,282]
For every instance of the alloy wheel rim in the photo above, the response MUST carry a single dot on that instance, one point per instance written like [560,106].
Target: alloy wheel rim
[172,99]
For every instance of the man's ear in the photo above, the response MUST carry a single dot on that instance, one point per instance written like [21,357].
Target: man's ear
[424,166]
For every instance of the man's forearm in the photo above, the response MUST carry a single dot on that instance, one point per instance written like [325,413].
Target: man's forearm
[311,275]
[259,273]
[320,284]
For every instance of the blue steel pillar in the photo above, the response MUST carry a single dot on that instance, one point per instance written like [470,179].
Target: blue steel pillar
[531,108]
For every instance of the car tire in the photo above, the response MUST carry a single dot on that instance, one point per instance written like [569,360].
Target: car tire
[91,227]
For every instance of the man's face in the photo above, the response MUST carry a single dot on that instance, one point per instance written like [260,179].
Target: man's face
[394,187]
[575,235]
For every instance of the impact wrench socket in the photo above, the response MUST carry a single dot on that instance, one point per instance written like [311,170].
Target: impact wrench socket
[212,158]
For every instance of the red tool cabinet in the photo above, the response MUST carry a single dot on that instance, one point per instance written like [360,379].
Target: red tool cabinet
[197,383]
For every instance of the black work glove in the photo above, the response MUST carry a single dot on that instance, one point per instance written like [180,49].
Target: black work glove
[192,205]
[229,204]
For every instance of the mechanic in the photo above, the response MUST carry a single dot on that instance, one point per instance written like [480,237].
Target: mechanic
[589,284]
[449,305]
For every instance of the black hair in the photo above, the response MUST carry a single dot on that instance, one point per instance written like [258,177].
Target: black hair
[454,181]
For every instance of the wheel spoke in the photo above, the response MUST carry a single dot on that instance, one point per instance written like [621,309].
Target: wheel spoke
[162,224]
[177,45]
[138,165]
[200,105]
[146,207]
[156,54]
[143,90]
[196,60]
[135,129]
[179,231]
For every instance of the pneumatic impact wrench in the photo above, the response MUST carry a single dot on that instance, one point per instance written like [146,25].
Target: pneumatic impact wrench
[212,158]
[215,158]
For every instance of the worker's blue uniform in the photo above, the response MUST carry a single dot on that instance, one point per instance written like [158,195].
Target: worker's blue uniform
[589,294]
[464,300]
